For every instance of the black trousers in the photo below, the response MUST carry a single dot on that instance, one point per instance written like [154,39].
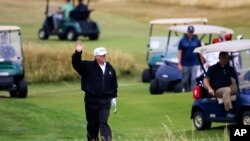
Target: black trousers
[97,114]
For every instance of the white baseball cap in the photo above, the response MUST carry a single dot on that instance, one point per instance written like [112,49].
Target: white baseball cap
[100,51]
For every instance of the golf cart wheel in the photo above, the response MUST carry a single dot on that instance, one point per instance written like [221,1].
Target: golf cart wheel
[13,93]
[62,36]
[245,119]
[43,34]
[93,37]
[145,76]
[200,122]
[72,35]
[22,89]
[178,87]
[154,87]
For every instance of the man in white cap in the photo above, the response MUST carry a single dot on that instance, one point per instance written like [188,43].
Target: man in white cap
[99,82]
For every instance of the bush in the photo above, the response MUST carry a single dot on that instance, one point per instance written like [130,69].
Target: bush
[45,64]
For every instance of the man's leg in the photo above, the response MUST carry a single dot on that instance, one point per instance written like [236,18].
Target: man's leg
[92,120]
[234,88]
[104,112]
[54,18]
[225,93]
[186,71]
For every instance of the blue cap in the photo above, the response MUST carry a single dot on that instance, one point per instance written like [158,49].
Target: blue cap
[190,28]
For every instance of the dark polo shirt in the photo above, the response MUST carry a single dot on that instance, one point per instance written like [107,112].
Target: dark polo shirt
[220,76]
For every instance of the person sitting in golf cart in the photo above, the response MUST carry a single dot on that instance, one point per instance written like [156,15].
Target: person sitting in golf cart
[81,6]
[67,7]
[220,81]
[57,17]
[80,12]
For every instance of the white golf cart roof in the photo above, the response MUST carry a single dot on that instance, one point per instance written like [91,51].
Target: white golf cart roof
[178,21]
[8,28]
[227,46]
[202,29]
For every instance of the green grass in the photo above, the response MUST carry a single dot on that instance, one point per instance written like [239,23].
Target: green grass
[40,124]
[56,111]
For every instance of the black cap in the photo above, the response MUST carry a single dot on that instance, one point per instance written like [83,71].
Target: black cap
[190,28]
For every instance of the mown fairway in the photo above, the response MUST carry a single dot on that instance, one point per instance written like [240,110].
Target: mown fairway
[54,111]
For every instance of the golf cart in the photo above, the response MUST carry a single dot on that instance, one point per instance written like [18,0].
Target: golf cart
[206,108]
[157,42]
[167,76]
[79,24]
[11,62]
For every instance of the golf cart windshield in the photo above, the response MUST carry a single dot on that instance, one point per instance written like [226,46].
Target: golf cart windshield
[158,39]
[235,48]
[10,46]
[172,49]
[157,44]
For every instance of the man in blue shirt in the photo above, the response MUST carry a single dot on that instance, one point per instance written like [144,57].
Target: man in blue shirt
[188,62]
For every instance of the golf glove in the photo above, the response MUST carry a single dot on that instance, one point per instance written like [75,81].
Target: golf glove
[113,104]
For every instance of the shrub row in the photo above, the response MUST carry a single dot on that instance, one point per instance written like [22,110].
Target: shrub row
[44,64]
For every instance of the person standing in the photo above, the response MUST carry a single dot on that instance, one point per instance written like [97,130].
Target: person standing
[67,7]
[99,82]
[188,62]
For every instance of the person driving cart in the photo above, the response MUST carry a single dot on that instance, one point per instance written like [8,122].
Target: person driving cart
[57,17]
[220,81]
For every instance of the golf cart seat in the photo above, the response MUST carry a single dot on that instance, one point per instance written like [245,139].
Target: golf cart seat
[80,15]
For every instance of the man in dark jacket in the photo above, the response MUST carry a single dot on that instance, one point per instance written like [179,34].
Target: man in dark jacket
[220,81]
[99,82]
[81,6]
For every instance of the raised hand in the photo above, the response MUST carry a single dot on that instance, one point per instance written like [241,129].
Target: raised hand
[79,46]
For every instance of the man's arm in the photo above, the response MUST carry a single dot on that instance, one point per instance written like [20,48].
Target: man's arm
[208,86]
[76,57]
[203,60]
[179,55]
